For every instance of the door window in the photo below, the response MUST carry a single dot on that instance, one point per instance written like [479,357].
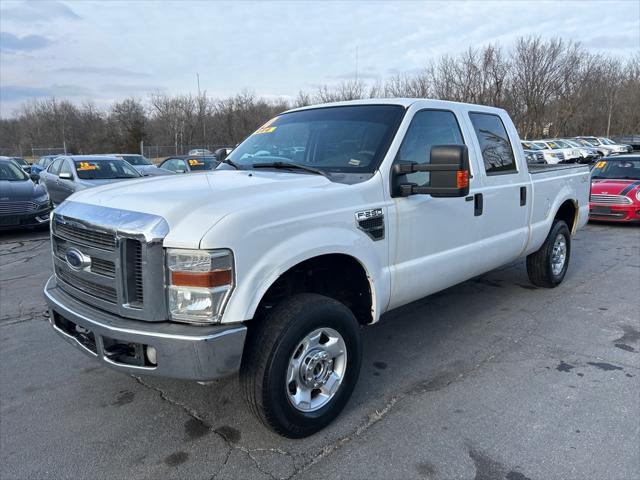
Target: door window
[494,144]
[54,168]
[66,168]
[428,128]
[175,164]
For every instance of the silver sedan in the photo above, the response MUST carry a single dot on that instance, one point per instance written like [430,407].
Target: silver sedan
[69,174]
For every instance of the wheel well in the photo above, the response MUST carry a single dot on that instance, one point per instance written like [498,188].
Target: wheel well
[337,276]
[567,212]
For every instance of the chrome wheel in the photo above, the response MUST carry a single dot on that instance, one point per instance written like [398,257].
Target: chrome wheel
[558,254]
[316,369]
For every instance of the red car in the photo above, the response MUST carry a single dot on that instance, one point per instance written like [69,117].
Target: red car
[615,189]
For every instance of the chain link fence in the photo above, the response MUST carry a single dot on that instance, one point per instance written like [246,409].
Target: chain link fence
[160,152]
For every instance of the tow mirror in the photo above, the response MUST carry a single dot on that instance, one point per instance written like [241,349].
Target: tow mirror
[449,173]
[35,178]
[65,176]
[221,154]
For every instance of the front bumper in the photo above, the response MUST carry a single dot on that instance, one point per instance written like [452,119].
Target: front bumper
[181,351]
[614,213]
[31,219]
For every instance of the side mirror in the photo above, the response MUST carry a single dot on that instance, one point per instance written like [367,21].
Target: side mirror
[221,154]
[65,176]
[35,178]
[449,170]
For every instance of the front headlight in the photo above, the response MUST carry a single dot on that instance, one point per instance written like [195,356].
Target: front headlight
[638,195]
[200,283]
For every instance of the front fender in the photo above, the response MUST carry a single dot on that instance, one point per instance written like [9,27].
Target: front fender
[255,275]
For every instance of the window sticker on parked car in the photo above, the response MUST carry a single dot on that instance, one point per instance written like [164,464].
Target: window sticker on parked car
[265,130]
[194,162]
[600,164]
[85,166]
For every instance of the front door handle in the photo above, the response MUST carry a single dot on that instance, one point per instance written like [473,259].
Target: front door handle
[477,204]
[523,196]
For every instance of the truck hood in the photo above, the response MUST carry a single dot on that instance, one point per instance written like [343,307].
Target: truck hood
[192,204]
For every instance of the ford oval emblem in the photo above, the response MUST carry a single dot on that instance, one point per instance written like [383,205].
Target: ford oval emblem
[76,259]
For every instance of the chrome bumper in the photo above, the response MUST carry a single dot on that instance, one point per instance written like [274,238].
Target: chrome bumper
[181,351]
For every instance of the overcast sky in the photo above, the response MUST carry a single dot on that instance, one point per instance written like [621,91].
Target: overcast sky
[110,50]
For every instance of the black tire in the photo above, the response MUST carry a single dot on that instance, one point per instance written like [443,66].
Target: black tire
[539,264]
[269,348]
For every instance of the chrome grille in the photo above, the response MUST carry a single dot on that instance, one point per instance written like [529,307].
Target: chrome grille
[84,236]
[103,267]
[540,157]
[17,208]
[99,291]
[560,156]
[123,259]
[610,199]
[138,297]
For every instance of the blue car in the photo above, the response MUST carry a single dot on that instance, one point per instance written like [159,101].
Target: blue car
[22,202]
[43,163]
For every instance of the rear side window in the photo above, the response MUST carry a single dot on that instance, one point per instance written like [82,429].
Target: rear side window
[497,153]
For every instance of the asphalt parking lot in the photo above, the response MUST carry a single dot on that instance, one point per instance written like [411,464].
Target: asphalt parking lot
[491,379]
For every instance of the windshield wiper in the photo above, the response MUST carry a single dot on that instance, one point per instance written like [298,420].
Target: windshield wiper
[287,165]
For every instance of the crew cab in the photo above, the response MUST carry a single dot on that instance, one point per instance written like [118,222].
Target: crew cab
[322,220]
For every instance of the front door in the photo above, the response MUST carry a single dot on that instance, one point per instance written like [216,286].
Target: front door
[436,239]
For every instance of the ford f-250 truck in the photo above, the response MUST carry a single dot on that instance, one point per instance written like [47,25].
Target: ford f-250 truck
[319,222]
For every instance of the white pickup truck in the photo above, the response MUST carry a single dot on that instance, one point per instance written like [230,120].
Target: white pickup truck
[322,220]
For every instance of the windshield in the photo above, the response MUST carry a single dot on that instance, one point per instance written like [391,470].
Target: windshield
[619,169]
[12,172]
[202,163]
[20,160]
[334,139]
[606,141]
[541,145]
[104,169]
[531,146]
[135,159]
[562,143]
[573,143]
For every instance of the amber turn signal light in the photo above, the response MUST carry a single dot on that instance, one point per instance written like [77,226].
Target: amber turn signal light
[216,278]
[462,178]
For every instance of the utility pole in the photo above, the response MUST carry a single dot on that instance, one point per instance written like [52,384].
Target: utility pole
[203,106]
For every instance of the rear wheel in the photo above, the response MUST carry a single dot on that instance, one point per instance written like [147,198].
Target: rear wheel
[301,364]
[548,266]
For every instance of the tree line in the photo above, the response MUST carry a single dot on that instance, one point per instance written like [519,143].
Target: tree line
[550,87]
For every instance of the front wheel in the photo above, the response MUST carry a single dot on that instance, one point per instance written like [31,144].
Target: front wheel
[548,266]
[301,364]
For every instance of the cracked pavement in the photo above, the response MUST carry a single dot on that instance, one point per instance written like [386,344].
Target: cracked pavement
[490,379]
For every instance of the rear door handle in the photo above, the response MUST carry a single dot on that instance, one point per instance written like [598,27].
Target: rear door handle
[477,204]
[523,196]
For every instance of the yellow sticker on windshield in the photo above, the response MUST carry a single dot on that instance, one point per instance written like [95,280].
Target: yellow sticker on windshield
[265,130]
[85,166]
[600,164]
[194,162]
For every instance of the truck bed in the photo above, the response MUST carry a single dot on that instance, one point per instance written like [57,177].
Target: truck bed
[545,167]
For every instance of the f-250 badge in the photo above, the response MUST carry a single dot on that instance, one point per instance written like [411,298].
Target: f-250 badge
[365,214]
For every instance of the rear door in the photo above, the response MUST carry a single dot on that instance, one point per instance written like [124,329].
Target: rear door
[506,191]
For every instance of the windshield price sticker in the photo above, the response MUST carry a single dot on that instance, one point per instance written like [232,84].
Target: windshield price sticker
[194,162]
[600,164]
[85,166]
[265,130]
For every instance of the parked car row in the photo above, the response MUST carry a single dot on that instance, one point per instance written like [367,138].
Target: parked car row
[571,150]
[53,178]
